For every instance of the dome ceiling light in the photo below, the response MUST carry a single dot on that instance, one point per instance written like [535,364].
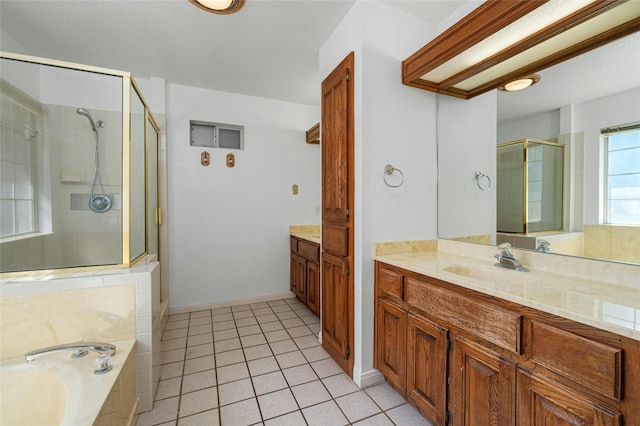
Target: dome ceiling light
[501,41]
[221,7]
[520,83]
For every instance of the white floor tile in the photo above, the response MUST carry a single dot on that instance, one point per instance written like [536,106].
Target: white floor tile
[207,418]
[243,413]
[325,414]
[311,393]
[269,382]
[197,381]
[198,401]
[407,415]
[357,406]
[235,391]
[277,403]
[340,385]
[385,396]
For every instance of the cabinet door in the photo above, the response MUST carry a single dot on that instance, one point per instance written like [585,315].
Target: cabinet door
[299,276]
[542,402]
[427,367]
[313,286]
[337,137]
[483,386]
[391,348]
[336,299]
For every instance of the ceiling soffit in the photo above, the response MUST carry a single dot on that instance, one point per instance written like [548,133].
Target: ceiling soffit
[504,40]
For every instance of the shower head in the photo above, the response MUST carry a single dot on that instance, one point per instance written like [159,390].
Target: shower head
[86,113]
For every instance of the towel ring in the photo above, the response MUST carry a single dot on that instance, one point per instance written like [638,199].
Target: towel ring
[480,178]
[388,170]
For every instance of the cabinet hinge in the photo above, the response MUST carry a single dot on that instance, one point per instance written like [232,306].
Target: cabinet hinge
[448,380]
[348,76]
[348,351]
[348,212]
[448,417]
[449,344]
[348,270]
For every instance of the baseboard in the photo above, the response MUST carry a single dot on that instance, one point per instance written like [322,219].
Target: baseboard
[133,416]
[368,378]
[234,302]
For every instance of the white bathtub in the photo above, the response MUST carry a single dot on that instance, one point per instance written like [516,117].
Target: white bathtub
[56,389]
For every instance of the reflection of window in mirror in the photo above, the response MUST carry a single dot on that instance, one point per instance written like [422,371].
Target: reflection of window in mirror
[622,174]
[18,189]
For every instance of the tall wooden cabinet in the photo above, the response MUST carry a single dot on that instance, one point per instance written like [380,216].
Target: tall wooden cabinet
[337,213]
[466,358]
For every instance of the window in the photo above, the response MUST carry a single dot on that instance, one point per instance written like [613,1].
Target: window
[622,174]
[17,167]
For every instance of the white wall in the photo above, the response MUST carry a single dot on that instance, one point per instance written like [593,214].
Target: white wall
[540,126]
[394,124]
[466,144]
[228,227]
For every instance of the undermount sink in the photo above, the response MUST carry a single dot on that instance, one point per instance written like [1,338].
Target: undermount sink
[491,274]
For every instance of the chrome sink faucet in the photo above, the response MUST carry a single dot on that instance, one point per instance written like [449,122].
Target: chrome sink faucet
[80,349]
[506,259]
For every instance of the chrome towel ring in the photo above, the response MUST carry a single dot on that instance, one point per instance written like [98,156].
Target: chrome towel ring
[483,181]
[388,171]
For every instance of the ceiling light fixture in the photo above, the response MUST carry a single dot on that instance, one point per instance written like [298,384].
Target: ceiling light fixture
[520,83]
[221,7]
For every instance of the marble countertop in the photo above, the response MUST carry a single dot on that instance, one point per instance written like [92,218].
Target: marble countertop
[607,306]
[306,232]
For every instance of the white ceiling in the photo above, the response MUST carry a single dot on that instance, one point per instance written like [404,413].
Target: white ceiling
[610,69]
[269,48]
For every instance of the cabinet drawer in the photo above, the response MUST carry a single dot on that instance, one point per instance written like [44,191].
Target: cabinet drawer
[294,244]
[390,283]
[493,324]
[590,363]
[309,250]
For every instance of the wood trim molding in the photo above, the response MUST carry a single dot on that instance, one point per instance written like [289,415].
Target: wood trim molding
[313,134]
[491,17]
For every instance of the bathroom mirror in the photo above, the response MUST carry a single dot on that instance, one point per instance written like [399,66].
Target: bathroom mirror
[571,104]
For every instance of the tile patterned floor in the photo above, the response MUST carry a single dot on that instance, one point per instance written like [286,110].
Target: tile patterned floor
[262,364]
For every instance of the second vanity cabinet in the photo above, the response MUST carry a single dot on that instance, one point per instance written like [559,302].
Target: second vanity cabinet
[467,358]
[305,272]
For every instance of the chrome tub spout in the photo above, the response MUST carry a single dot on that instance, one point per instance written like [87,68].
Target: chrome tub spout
[80,348]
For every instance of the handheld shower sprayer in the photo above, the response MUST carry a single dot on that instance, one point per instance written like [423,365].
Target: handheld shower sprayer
[99,203]
[86,113]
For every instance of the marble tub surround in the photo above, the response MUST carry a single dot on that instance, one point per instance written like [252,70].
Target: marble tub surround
[605,295]
[37,321]
[80,397]
[145,316]
[306,232]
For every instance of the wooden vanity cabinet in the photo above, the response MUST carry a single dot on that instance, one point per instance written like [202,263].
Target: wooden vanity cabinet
[467,358]
[305,272]
[391,357]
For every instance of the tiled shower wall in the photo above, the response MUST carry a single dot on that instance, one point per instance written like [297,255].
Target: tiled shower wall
[66,142]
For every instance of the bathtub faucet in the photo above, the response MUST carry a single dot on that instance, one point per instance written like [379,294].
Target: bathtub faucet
[80,349]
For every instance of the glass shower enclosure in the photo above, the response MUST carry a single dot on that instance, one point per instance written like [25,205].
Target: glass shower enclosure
[78,167]
[530,180]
